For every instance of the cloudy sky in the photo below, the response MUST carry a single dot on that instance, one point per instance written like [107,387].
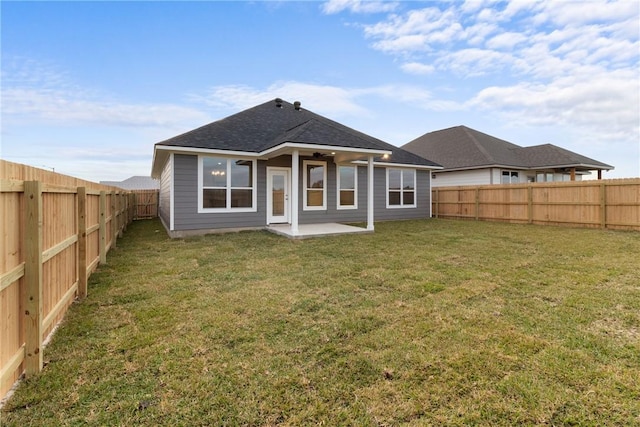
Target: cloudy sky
[89,87]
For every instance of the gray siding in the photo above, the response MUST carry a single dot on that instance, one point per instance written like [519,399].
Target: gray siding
[381,213]
[423,198]
[164,201]
[186,200]
[185,169]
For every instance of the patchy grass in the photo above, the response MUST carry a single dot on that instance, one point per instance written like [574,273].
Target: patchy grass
[422,323]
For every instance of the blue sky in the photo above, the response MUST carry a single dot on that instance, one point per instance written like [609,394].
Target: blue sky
[89,87]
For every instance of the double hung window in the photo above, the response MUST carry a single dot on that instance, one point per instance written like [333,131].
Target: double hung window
[347,187]
[401,188]
[315,185]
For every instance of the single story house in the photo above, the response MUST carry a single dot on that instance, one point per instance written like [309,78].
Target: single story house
[277,163]
[134,183]
[470,157]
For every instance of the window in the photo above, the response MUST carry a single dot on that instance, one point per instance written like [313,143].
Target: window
[510,177]
[226,184]
[315,178]
[544,176]
[347,187]
[401,188]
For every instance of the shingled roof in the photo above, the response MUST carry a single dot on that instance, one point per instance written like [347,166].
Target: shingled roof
[278,122]
[461,147]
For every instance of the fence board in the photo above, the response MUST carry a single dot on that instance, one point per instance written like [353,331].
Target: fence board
[50,224]
[146,204]
[611,204]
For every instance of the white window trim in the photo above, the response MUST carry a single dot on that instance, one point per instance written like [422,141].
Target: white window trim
[305,186]
[415,190]
[228,209]
[509,171]
[355,188]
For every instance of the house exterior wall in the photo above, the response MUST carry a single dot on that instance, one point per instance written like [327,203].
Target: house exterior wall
[489,176]
[185,195]
[186,201]
[164,202]
[466,177]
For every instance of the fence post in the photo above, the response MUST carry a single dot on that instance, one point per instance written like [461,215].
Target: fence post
[477,203]
[437,203]
[126,211]
[530,204]
[603,205]
[33,277]
[102,231]
[114,221]
[82,242]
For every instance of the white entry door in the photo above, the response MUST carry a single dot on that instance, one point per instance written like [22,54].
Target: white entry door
[278,205]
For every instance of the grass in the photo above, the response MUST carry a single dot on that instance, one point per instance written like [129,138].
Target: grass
[421,323]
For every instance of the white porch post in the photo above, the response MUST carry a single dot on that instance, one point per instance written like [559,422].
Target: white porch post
[370,194]
[295,174]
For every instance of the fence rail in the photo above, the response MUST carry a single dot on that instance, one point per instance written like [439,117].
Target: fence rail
[56,230]
[610,204]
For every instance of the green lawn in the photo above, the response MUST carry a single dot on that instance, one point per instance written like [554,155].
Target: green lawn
[429,322]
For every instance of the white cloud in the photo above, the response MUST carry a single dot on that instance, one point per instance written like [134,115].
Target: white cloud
[568,64]
[42,91]
[358,6]
[605,105]
[318,97]
[417,30]
[579,13]
[506,40]
[332,101]
[64,107]
[417,68]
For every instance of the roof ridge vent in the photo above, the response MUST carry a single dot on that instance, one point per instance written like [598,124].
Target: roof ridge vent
[278,103]
[297,105]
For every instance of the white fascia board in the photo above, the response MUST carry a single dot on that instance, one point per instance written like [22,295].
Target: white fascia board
[319,147]
[398,165]
[195,150]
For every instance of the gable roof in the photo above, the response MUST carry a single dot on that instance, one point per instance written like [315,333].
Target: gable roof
[461,147]
[274,123]
[135,183]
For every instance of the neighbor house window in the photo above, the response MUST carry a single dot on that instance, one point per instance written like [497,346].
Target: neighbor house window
[401,188]
[315,179]
[227,184]
[347,187]
[510,177]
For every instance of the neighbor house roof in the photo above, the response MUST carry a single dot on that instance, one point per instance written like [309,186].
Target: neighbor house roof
[135,183]
[461,147]
[275,123]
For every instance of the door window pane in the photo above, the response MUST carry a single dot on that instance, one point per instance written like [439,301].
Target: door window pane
[277,195]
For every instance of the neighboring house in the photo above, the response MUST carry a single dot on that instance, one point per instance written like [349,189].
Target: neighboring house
[277,163]
[470,157]
[135,183]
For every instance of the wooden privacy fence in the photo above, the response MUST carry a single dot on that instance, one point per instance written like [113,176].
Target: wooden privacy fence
[56,230]
[146,204]
[612,204]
